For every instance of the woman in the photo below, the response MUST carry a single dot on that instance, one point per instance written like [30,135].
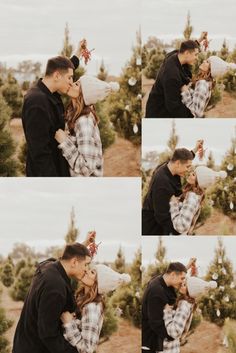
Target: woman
[197,95]
[178,318]
[82,148]
[185,209]
[83,333]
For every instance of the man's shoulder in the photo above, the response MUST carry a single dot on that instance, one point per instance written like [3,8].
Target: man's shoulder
[36,96]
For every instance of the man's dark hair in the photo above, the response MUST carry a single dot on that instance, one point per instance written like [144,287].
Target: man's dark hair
[75,250]
[189,45]
[59,63]
[176,267]
[182,154]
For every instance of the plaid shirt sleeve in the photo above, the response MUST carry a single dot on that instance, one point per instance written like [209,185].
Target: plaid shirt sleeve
[196,99]
[182,213]
[81,152]
[175,321]
[86,337]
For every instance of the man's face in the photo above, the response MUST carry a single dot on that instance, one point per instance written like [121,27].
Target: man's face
[191,56]
[183,167]
[177,279]
[80,267]
[64,81]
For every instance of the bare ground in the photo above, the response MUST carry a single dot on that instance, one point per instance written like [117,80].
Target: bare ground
[126,339]
[217,224]
[207,338]
[122,159]
[226,108]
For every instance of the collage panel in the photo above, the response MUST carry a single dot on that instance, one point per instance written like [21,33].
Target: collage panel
[189,60]
[189,292]
[56,229]
[188,177]
[70,90]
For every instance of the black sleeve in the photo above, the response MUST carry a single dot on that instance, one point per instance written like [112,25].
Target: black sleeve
[37,132]
[75,61]
[161,206]
[155,307]
[51,306]
[173,103]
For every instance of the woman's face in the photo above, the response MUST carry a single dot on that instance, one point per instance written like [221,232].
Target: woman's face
[183,289]
[205,66]
[75,90]
[192,178]
[89,278]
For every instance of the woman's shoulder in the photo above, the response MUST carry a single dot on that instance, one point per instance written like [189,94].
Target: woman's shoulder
[203,84]
[85,120]
[184,304]
[93,307]
[193,196]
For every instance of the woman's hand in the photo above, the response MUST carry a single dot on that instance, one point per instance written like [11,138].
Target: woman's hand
[60,136]
[168,307]
[67,317]
[184,88]
[173,198]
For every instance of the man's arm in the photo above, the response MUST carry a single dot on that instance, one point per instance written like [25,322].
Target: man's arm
[173,103]
[51,306]
[37,133]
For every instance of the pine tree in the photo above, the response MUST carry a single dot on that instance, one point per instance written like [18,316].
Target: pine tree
[155,59]
[107,132]
[12,94]
[67,46]
[119,264]
[5,324]
[223,195]
[174,138]
[102,75]
[188,28]
[124,106]
[23,281]
[224,52]
[8,166]
[7,276]
[210,161]
[72,232]
[110,323]
[220,303]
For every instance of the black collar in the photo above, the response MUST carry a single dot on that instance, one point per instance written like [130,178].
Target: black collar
[62,271]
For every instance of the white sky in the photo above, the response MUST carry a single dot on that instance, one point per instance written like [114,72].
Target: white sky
[216,133]
[183,248]
[166,19]
[36,211]
[33,29]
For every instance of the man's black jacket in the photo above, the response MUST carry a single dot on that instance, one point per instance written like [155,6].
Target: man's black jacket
[164,100]
[43,114]
[156,296]
[39,329]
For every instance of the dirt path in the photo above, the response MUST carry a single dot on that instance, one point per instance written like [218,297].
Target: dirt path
[217,224]
[207,338]
[122,159]
[226,108]
[127,339]
[12,309]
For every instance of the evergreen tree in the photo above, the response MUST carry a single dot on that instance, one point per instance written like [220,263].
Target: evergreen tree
[67,46]
[155,58]
[119,264]
[210,161]
[5,324]
[8,166]
[220,303]
[223,194]
[22,157]
[23,281]
[174,138]
[188,28]
[12,94]
[102,75]
[110,323]
[124,107]
[107,132]
[224,51]
[72,232]
[7,276]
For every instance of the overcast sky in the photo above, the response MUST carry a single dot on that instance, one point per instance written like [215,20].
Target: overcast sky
[32,29]
[166,19]
[216,133]
[183,248]
[36,212]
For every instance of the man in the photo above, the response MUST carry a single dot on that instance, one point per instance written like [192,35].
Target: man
[43,115]
[159,292]
[164,100]
[39,329]
[166,182]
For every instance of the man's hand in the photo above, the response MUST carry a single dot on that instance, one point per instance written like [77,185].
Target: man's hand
[199,146]
[191,262]
[90,238]
[82,46]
